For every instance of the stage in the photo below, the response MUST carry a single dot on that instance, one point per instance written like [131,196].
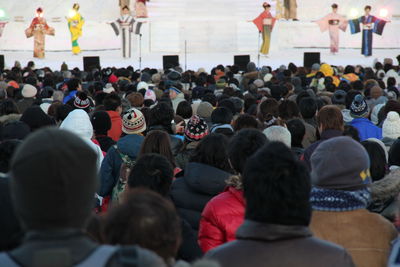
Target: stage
[202,33]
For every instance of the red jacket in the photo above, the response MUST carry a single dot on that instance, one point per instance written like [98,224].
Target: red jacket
[220,219]
[116,125]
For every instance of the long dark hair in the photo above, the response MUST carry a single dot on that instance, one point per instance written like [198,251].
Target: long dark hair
[158,142]
[212,151]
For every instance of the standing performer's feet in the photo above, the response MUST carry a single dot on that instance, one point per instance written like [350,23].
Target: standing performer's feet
[295,20]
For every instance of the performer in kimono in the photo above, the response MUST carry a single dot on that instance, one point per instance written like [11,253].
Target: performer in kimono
[369,24]
[125,25]
[333,22]
[75,24]
[141,9]
[290,7]
[265,23]
[38,29]
[2,25]
[279,12]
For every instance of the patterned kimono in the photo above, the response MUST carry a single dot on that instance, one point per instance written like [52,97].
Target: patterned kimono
[368,25]
[75,24]
[38,29]
[125,25]
[141,9]
[333,22]
[265,23]
[2,25]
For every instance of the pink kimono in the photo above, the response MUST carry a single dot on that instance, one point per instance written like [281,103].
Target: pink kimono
[333,22]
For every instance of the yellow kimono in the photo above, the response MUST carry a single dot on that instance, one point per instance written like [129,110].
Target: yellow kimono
[75,24]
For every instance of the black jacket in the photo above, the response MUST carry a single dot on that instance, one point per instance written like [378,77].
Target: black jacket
[261,244]
[10,231]
[191,193]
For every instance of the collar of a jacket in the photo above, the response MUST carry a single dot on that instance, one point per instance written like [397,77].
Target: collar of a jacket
[271,232]
[327,134]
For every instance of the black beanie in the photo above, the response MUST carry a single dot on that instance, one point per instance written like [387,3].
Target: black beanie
[53,180]
[101,122]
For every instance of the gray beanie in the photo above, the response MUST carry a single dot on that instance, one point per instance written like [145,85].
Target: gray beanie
[340,163]
[204,110]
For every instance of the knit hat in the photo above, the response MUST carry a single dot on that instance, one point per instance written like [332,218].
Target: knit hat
[65,171]
[29,91]
[142,85]
[133,122]
[145,77]
[340,163]
[315,67]
[359,107]
[196,129]
[108,89]
[156,78]
[101,122]
[339,97]
[81,100]
[150,95]
[268,77]
[391,126]
[259,83]
[174,76]
[204,110]
[176,90]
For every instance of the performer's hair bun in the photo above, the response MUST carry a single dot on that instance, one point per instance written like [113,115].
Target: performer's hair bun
[265,5]
[125,7]
[76,6]
[39,10]
[334,6]
[367,7]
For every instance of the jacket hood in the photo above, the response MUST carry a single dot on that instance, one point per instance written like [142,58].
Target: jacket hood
[327,70]
[205,179]
[387,188]
[130,144]
[79,123]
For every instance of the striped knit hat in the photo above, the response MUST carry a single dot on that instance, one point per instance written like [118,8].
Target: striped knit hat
[133,122]
[196,129]
[81,100]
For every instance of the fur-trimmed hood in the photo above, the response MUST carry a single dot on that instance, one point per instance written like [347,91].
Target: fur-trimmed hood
[387,188]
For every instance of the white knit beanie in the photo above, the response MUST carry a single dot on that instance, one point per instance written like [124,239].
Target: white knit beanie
[391,126]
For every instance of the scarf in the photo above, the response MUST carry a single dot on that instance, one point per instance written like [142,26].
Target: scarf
[339,200]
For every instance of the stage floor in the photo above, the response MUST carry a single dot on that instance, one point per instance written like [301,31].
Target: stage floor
[112,58]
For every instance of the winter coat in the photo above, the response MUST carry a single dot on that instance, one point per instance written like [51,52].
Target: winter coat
[191,193]
[24,104]
[75,247]
[11,233]
[116,125]
[110,168]
[310,136]
[384,195]
[366,129]
[78,122]
[365,235]
[183,157]
[221,218]
[260,245]
[9,118]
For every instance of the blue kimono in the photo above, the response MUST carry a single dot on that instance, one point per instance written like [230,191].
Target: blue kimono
[369,25]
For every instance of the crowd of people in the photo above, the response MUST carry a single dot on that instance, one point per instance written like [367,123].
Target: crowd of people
[292,166]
